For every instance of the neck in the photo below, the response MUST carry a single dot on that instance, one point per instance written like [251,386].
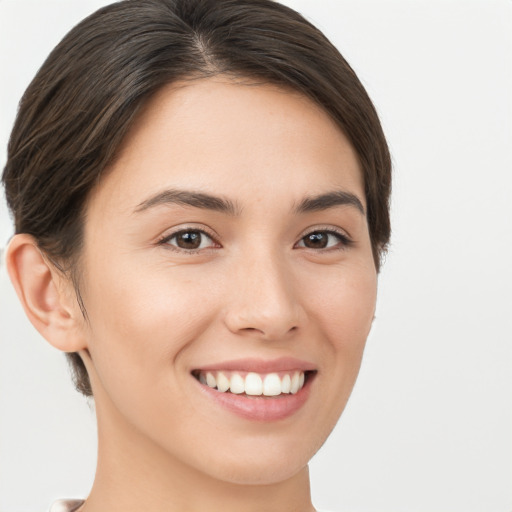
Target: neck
[133,474]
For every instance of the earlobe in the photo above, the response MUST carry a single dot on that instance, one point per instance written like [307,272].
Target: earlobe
[45,294]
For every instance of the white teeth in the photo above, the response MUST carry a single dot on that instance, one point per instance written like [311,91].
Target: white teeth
[272,385]
[286,384]
[237,384]
[210,380]
[222,382]
[254,384]
[295,383]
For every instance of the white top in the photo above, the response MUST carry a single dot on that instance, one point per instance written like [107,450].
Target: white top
[66,505]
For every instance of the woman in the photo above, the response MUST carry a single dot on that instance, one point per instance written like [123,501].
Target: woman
[200,191]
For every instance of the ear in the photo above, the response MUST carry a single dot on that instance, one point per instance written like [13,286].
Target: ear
[47,296]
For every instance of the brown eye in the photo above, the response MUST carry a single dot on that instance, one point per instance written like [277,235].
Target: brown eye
[324,240]
[189,240]
[316,240]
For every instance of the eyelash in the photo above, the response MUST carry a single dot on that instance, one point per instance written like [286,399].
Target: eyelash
[165,241]
[343,240]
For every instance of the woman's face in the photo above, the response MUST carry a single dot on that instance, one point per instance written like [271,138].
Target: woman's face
[227,244]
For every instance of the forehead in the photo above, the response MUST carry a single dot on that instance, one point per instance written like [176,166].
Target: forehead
[215,133]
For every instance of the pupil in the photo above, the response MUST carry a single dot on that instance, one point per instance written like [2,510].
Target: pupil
[189,240]
[316,240]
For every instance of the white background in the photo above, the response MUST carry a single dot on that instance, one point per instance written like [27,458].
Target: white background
[429,425]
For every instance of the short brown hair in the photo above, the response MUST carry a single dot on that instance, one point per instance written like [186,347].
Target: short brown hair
[76,112]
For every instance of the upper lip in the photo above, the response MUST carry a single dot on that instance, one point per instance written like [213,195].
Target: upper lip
[260,365]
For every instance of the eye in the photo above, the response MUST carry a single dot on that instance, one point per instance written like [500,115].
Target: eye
[189,240]
[324,239]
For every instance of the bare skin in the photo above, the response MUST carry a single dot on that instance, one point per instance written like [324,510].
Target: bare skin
[279,267]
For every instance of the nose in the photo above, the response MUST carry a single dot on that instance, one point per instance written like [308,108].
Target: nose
[263,299]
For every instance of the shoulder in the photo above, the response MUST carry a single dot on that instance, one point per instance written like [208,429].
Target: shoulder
[66,505]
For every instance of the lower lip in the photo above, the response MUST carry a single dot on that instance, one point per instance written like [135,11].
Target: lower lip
[260,408]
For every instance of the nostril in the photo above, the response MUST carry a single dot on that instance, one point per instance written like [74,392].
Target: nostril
[266,333]
[272,323]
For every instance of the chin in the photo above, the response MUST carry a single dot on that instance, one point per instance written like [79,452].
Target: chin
[266,472]
[263,462]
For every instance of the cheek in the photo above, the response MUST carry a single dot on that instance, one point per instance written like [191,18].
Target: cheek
[341,307]
[344,314]
[344,305]
[140,321]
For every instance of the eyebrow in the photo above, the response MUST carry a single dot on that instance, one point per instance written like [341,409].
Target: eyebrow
[209,202]
[330,200]
[190,198]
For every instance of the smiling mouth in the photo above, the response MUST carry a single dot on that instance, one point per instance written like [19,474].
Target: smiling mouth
[254,384]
